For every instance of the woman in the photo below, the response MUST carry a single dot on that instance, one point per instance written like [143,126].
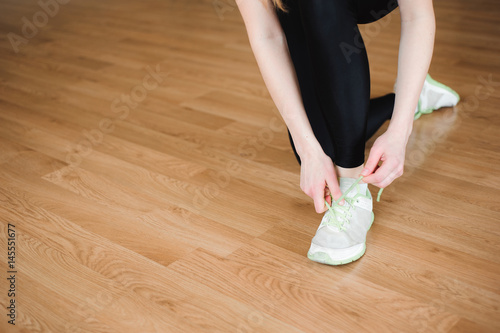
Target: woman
[313,61]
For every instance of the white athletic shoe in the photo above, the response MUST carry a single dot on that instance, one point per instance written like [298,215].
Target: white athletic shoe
[434,96]
[341,236]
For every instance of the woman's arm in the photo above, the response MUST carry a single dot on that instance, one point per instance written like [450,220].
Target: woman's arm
[269,46]
[415,53]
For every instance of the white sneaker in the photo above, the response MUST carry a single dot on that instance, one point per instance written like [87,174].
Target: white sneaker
[434,96]
[341,236]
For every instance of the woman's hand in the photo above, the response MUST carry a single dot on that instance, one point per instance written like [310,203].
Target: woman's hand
[390,149]
[318,179]
[415,51]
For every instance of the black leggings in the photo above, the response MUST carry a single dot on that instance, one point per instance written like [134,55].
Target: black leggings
[332,69]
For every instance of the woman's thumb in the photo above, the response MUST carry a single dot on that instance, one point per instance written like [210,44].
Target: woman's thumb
[371,164]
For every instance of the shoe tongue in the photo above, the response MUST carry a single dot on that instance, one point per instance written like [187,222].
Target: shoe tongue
[346,183]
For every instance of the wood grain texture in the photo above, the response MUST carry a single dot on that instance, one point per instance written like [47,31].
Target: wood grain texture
[153,187]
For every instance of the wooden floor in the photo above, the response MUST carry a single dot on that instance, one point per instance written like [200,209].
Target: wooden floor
[152,187]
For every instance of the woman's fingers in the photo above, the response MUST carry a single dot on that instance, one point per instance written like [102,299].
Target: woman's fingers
[394,173]
[388,180]
[319,181]
[386,174]
[381,174]
[391,153]
[329,192]
[372,162]
[319,201]
[333,186]
[328,196]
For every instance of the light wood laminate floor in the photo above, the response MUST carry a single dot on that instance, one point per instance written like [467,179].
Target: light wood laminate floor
[153,189]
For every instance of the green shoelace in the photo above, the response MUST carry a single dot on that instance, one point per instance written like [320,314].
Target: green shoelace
[341,214]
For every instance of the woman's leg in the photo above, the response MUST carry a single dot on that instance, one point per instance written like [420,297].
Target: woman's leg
[336,92]
[380,110]
[341,76]
[291,24]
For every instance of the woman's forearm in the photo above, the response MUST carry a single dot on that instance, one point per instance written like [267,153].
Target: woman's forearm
[279,75]
[415,53]
[269,46]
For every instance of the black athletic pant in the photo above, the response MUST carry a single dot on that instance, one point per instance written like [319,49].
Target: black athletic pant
[332,69]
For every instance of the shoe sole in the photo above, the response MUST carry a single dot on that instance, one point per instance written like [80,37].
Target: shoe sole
[335,257]
[434,83]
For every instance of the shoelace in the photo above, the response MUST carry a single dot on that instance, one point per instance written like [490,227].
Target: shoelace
[340,214]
